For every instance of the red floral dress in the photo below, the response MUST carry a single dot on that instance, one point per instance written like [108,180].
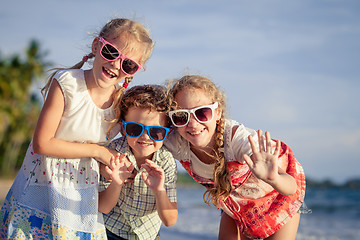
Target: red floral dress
[256,207]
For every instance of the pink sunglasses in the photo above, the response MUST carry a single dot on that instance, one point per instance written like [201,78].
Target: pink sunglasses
[110,53]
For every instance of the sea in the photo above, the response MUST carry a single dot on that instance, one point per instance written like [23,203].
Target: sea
[335,215]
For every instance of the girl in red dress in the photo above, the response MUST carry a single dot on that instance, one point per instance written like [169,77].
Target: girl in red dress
[255,180]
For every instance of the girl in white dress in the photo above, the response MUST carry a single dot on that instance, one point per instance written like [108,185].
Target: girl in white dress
[55,194]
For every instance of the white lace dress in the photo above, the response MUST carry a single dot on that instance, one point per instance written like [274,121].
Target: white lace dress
[57,198]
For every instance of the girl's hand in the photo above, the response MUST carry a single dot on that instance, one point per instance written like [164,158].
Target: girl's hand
[104,154]
[119,169]
[155,177]
[263,162]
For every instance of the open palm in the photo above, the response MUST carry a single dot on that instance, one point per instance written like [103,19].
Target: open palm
[119,169]
[263,163]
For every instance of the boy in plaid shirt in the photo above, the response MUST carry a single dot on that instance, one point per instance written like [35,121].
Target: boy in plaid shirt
[142,195]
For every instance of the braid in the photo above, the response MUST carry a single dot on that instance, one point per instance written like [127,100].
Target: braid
[79,65]
[222,184]
[116,103]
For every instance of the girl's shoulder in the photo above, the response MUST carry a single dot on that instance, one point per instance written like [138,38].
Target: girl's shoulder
[234,130]
[236,141]
[71,80]
[177,145]
[68,75]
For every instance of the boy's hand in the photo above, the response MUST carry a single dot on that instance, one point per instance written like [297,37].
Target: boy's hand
[263,162]
[119,169]
[155,177]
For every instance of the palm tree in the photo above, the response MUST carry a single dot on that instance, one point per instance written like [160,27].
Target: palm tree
[19,107]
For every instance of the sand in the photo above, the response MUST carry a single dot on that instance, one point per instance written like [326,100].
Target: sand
[5,185]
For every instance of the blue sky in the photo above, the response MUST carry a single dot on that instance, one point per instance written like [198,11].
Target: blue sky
[289,67]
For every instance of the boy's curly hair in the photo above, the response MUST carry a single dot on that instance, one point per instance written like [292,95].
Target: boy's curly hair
[152,97]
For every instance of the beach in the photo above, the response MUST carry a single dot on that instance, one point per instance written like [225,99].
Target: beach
[5,185]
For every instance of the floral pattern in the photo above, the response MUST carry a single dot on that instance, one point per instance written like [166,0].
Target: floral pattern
[29,223]
[257,208]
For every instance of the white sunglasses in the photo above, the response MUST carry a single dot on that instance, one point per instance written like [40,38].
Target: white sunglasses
[202,114]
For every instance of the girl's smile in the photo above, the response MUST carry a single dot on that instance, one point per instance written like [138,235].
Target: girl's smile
[109,73]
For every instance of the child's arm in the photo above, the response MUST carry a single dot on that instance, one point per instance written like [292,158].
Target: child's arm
[155,179]
[44,141]
[264,165]
[119,172]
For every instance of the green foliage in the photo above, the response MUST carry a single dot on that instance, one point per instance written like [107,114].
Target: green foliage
[19,109]
[185,179]
[352,184]
[349,184]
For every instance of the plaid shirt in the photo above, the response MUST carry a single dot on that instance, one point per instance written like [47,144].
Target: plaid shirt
[135,215]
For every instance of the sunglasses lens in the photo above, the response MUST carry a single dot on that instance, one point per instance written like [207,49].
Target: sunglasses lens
[157,133]
[203,114]
[180,118]
[109,52]
[133,129]
[129,66]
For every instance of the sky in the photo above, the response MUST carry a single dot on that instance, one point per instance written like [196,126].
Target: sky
[287,67]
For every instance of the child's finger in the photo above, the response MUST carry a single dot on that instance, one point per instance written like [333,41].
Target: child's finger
[277,149]
[144,177]
[108,170]
[268,142]
[131,168]
[252,144]
[152,164]
[117,159]
[112,162]
[146,167]
[248,161]
[122,157]
[154,167]
[261,141]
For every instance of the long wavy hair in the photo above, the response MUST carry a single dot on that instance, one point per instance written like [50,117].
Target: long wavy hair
[222,183]
[136,35]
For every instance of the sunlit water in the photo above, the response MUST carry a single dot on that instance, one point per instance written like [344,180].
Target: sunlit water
[335,215]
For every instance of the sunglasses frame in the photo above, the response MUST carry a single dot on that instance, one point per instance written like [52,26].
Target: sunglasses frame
[192,111]
[121,56]
[144,127]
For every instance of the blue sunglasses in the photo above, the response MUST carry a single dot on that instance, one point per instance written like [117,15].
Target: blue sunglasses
[156,133]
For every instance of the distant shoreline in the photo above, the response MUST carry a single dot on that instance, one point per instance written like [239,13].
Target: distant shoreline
[185,179]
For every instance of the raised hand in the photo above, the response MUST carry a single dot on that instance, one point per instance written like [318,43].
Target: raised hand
[119,169]
[155,177]
[263,162]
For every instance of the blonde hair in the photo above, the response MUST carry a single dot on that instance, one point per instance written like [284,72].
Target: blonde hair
[222,183]
[152,97]
[131,30]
